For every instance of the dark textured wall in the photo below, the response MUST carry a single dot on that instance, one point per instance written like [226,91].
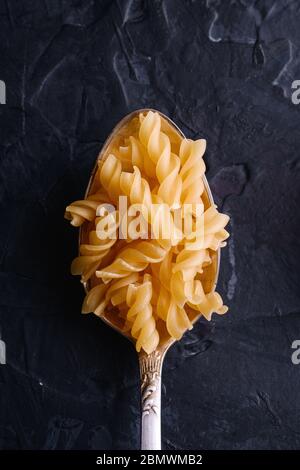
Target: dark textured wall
[220,70]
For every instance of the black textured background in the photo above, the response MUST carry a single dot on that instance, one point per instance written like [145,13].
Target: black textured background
[221,70]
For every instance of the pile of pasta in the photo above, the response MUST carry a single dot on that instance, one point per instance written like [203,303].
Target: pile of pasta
[152,284]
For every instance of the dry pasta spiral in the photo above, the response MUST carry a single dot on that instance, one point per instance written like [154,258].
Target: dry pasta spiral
[158,214]
[109,173]
[140,314]
[91,254]
[168,309]
[192,170]
[212,302]
[212,233]
[117,290]
[167,164]
[177,320]
[103,295]
[85,210]
[134,258]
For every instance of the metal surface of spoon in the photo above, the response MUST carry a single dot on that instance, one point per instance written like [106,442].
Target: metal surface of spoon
[150,365]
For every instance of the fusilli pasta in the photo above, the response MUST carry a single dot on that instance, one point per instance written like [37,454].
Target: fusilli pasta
[156,286]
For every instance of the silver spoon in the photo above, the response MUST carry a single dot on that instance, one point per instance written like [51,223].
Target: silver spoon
[150,365]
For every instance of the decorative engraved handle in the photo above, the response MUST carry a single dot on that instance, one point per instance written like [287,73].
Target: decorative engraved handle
[150,368]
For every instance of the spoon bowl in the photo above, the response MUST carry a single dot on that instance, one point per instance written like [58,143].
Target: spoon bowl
[150,365]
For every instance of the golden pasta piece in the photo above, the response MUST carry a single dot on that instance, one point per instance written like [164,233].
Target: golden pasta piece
[134,258]
[177,320]
[185,291]
[95,300]
[91,255]
[85,210]
[140,314]
[109,173]
[210,304]
[211,233]
[154,211]
[167,164]
[192,170]
[117,290]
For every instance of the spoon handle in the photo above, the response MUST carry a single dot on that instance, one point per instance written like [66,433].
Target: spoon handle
[150,369]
